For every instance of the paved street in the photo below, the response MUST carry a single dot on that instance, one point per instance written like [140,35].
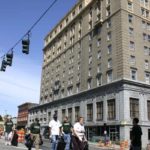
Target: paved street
[46,146]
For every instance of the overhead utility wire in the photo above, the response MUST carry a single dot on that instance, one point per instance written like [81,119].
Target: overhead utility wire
[28,32]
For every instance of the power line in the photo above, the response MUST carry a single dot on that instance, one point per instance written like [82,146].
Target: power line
[29,30]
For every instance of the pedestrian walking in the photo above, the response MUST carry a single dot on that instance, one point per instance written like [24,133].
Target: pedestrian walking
[54,131]
[35,133]
[79,140]
[8,130]
[67,131]
[136,134]
[105,133]
[14,140]
[28,141]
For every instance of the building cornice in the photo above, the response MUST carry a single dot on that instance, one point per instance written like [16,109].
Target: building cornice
[105,89]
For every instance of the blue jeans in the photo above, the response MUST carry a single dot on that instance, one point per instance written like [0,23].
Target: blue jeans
[54,142]
[67,139]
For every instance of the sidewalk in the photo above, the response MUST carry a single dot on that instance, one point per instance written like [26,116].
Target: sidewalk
[20,146]
[46,146]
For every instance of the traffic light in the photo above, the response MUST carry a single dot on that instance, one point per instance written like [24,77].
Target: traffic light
[25,46]
[9,57]
[3,65]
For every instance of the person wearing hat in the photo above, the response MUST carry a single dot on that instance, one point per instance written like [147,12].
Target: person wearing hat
[8,129]
[54,131]
[35,133]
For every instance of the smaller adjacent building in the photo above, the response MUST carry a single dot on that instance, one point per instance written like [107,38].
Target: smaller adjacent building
[23,114]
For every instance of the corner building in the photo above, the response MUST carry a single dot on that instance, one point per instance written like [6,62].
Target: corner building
[97,65]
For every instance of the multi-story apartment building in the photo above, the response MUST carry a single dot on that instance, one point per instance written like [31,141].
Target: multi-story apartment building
[97,65]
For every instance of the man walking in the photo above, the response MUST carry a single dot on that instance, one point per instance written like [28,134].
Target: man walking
[136,133]
[54,130]
[35,133]
[67,130]
[8,129]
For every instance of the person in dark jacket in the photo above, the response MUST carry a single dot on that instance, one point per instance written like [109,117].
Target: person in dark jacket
[136,134]
[28,141]
[35,133]
[14,140]
[8,129]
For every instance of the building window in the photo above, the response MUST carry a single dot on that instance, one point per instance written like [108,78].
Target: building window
[70,89]
[90,48]
[146,64]
[131,31]
[78,87]
[80,25]
[62,92]
[70,114]
[133,74]
[78,67]
[130,6]
[90,36]
[108,23]
[80,7]
[131,45]
[77,113]
[134,108]
[79,44]
[90,14]
[90,59]
[90,25]
[108,36]
[98,42]
[109,49]
[89,73]
[108,12]
[132,60]
[147,14]
[99,54]
[108,2]
[63,114]
[89,112]
[148,109]
[143,24]
[148,26]
[111,109]
[99,80]
[99,67]
[109,63]
[145,37]
[130,18]
[147,78]
[109,76]
[99,106]
[89,84]
[143,12]
[146,50]
[79,34]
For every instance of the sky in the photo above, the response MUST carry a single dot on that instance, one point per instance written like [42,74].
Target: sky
[21,82]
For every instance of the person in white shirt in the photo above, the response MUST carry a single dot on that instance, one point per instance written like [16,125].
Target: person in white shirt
[79,140]
[54,129]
